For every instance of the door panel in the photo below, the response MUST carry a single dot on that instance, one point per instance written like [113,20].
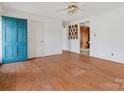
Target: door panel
[21,35]
[9,35]
[36,39]
[14,32]
[9,51]
[21,50]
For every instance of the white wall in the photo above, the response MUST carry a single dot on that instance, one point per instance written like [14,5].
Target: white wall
[65,41]
[109,30]
[72,45]
[52,30]
[53,37]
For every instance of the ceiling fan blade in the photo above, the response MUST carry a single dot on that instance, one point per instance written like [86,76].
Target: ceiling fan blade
[61,10]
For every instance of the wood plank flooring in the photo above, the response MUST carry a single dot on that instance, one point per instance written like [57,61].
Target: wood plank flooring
[68,71]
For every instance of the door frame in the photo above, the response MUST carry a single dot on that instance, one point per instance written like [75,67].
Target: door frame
[87,24]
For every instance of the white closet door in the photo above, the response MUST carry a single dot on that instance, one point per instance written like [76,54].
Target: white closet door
[36,39]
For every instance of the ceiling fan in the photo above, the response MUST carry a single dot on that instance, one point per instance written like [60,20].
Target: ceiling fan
[72,8]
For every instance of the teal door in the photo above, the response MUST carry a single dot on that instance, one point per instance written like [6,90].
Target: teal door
[14,39]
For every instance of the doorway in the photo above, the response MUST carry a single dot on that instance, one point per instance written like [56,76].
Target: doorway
[85,38]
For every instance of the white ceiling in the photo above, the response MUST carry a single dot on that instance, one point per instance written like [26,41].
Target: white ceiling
[49,9]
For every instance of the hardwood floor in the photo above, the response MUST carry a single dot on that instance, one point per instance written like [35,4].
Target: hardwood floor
[68,71]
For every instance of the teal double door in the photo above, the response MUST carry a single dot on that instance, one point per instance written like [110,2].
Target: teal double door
[14,39]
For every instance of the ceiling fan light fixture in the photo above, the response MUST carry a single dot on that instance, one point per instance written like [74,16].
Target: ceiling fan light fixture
[73,8]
